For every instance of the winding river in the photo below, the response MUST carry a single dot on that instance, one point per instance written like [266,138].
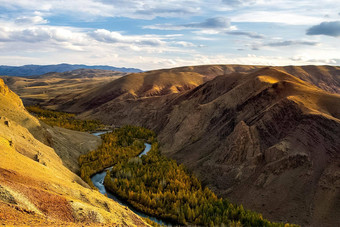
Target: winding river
[98,181]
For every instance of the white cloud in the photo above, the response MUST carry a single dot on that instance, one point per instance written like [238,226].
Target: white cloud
[184,44]
[276,17]
[106,36]
[41,34]
[120,8]
[253,35]
[30,20]
[210,24]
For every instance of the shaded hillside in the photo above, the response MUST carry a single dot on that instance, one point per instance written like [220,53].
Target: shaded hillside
[35,187]
[169,81]
[39,89]
[147,84]
[266,139]
[30,70]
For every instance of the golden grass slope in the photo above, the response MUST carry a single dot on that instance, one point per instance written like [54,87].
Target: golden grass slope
[43,88]
[133,86]
[35,187]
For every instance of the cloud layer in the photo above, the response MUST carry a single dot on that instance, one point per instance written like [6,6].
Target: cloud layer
[247,34]
[154,34]
[325,28]
[216,23]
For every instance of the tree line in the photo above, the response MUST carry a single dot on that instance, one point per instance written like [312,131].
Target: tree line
[159,186]
[64,120]
[117,146]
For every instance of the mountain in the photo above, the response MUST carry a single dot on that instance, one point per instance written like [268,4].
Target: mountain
[35,186]
[149,84]
[261,137]
[30,70]
[39,89]
[264,137]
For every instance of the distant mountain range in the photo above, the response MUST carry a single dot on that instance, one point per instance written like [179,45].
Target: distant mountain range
[30,70]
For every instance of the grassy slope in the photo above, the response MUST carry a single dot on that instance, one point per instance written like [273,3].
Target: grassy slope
[36,188]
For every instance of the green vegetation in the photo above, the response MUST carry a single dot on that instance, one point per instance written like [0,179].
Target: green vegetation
[158,186]
[117,146]
[64,120]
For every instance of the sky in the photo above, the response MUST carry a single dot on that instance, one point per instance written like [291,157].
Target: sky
[164,34]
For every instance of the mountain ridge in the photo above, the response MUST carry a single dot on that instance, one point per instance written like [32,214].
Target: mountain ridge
[35,70]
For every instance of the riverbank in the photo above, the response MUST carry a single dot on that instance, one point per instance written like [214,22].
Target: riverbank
[98,182]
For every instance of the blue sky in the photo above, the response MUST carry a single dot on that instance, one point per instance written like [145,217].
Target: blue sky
[163,34]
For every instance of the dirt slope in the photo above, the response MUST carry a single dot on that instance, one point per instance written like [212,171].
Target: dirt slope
[35,187]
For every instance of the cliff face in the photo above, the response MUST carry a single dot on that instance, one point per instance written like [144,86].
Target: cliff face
[266,139]
[35,187]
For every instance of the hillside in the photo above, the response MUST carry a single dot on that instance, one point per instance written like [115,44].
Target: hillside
[325,77]
[35,187]
[176,80]
[39,89]
[145,85]
[248,136]
[33,70]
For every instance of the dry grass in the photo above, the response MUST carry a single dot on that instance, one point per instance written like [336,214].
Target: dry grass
[44,189]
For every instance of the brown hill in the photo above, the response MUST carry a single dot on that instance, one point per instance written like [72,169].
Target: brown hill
[325,77]
[35,187]
[39,89]
[132,86]
[146,84]
[266,139]
[169,81]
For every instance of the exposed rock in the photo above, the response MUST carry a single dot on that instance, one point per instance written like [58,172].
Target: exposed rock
[6,196]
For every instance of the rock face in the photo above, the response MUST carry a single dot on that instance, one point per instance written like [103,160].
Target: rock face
[36,188]
[265,138]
